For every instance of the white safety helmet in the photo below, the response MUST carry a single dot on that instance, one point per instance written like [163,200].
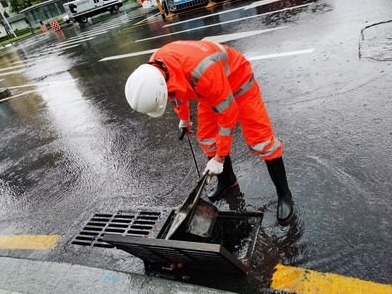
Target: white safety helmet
[146,90]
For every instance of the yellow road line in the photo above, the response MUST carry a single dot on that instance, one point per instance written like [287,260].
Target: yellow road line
[29,242]
[304,281]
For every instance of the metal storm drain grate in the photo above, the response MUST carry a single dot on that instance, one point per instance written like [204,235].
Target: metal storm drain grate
[139,223]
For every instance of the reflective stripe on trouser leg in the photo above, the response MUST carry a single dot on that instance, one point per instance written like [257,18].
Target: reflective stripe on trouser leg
[207,128]
[208,146]
[256,125]
[268,149]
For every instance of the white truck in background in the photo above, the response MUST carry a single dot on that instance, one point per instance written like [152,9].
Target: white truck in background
[81,10]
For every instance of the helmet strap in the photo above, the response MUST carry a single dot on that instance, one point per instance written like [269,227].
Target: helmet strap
[162,67]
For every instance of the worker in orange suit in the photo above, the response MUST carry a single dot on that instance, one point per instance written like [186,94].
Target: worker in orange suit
[221,80]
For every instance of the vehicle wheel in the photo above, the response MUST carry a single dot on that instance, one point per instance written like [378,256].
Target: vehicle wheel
[83,19]
[114,9]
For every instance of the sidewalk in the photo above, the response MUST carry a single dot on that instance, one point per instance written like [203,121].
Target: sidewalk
[28,276]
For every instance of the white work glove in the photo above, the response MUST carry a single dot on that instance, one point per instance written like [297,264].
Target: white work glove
[185,124]
[186,128]
[214,167]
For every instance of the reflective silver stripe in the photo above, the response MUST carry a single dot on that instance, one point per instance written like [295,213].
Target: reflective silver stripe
[208,145]
[261,146]
[225,131]
[245,87]
[273,148]
[208,141]
[227,68]
[207,62]
[221,107]
[210,149]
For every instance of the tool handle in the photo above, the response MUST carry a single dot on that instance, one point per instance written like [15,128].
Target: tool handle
[183,132]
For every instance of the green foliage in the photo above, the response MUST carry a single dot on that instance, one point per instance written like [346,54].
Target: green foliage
[19,33]
[18,5]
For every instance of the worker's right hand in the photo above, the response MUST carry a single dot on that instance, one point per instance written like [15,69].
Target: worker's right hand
[185,126]
[214,167]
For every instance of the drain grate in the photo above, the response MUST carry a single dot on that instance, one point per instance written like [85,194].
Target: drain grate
[138,223]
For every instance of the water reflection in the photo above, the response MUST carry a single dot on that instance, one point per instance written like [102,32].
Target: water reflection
[276,244]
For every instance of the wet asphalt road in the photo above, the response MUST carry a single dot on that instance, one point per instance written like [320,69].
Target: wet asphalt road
[71,146]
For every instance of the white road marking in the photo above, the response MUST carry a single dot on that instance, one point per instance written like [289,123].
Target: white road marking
[11,73]
[129,55]
[219,39]
[64,48]
[236,36]
[224,22]
[54,83]
[90,34]
[49,84]
[16,96]
[62,45]
[282,54]
[11,67]
[146,19]
[254,4]
[205,16]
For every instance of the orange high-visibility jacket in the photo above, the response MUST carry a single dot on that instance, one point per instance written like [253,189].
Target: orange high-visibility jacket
[213,75]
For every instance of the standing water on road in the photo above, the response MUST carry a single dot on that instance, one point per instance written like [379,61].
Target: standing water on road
[71,146]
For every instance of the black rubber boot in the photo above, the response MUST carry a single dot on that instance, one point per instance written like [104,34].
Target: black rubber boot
[277,173]
[226,181]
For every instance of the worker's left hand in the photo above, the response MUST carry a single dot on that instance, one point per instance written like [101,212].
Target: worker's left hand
[214,167]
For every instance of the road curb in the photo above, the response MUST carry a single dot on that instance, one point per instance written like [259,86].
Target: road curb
[31,276]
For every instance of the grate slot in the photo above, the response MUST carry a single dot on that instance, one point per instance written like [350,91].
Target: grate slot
[89,233]
[95,219]
[124,216]
[144,222]
[152,218]
[93,229]
[106,215]
[138,232]
[81,243]
[97,224]
[103,245]
[82,238]
[138,227]
[122,221]
[114,225]
[110,230]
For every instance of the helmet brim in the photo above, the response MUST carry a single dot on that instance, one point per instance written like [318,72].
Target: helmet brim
[158,113]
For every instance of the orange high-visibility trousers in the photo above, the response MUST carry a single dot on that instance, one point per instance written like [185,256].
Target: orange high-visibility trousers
[254,121]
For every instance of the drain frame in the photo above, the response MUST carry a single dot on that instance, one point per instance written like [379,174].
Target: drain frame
[186,253]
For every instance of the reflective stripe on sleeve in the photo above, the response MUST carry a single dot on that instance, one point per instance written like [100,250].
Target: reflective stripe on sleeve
[206,63]
[226,60]
[221,107]
[245,87]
